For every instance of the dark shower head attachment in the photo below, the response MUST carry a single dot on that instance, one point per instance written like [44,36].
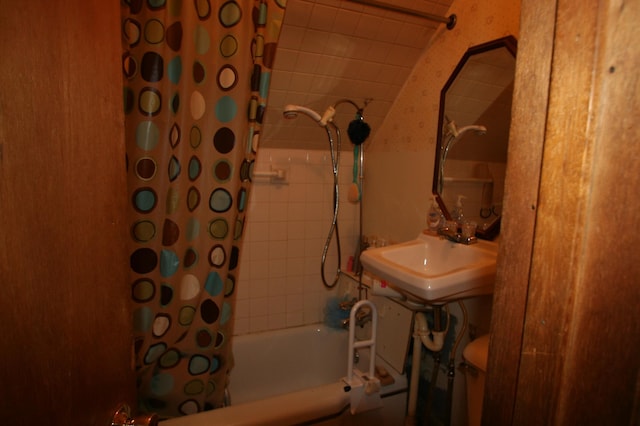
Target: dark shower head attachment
[358,129]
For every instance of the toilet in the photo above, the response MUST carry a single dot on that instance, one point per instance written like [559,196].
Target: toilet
[475,355]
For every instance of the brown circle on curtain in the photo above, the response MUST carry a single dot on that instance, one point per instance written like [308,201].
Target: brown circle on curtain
[195,137]
[204,338]
[151,67]
[190,257]
[203,9]
[224,140]
[222,170]
[143,290]
[143,260]
[166,294]
[145,168]
[209,311]
[129,100]
[173,36]
[170,232]
[199,72]
[143,231]
[129,65]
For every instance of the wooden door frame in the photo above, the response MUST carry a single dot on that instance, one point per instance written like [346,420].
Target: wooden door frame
[563,349]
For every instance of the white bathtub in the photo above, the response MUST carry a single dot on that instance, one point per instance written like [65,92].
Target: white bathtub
[293,376]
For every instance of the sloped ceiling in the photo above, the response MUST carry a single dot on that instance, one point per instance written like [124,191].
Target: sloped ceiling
[341,49]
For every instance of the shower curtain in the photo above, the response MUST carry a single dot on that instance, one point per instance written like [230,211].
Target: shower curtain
[196,76]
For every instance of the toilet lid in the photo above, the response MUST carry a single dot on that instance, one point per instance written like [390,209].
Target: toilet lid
[476,353]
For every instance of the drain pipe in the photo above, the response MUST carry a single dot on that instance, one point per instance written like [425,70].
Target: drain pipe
[432,340]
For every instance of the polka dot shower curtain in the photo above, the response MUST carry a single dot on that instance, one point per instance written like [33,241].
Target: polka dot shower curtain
[196,75]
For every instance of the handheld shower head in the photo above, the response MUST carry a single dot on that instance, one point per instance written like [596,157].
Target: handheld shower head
[291,112]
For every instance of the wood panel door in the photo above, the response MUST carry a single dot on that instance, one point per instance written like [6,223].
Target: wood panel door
[65,322]
[565,331]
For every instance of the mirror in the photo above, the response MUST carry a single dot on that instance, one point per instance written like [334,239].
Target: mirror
[474,120]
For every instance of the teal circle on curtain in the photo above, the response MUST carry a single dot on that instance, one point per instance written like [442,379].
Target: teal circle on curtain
[194,168]
[229,14]
[147,135]
[174,168]
[220,200]
[193,229]
[198,364]
[215,364]
[169,263]
[214,285]
[201,40]
[226,109]
[226,313]
[161,384]
[142,319]
[154,352]
[174,69]
[242,199]
[144,200]
[156,4]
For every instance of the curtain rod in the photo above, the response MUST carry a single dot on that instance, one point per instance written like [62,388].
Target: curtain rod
[450,21]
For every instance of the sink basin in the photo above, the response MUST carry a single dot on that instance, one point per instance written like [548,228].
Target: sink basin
[434,270]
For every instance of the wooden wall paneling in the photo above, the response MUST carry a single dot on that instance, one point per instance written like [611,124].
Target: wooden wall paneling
[65,317]
[578,361]
[560,217]
[602,349]
[526,140]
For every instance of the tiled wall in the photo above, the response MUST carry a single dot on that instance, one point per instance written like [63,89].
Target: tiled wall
[279,282]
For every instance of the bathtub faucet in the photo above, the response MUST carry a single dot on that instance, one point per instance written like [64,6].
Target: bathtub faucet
[362,317]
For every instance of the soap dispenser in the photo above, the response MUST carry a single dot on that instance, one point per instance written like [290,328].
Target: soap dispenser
[458,214]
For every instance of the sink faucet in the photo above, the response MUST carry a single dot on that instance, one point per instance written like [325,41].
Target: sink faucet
[453,233]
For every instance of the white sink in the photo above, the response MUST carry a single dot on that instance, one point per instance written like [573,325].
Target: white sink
[435,270]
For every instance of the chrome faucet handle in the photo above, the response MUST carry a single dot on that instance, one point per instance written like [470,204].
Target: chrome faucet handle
[122,417]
